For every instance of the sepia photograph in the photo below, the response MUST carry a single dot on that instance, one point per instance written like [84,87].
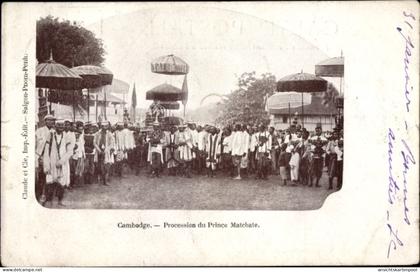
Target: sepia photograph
[209,134]
[137,111]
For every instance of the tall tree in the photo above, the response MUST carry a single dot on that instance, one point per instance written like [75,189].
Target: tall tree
[71,44]
[247,103]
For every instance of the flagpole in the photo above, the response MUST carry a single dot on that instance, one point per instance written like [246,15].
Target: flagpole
[184,93]
[134,102]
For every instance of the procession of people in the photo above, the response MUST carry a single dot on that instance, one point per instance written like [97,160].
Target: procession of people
[75,154]
[246,143]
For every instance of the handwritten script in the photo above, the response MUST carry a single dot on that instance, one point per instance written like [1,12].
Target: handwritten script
[400,156]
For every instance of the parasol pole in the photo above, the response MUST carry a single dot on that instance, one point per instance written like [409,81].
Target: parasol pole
[88,104]
[49,99]
[290,121]
[184,111]
[104,103]
[74,111]
[96,108]
[303,117]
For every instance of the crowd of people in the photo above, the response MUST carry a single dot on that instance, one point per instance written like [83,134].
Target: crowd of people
[73,154]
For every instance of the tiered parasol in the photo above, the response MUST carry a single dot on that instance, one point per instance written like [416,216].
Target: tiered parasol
[172,65]
[164,92]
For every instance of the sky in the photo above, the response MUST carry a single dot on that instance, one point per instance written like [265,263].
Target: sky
[218,41]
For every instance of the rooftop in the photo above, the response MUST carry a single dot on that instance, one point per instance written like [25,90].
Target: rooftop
[315,108]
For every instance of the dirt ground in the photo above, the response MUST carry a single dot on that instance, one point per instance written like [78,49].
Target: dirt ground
[196,193]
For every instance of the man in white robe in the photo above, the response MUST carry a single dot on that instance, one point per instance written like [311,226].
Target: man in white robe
[294,165]
[238,149]
[42,135]
[129,144]
[56,163]
[70,140]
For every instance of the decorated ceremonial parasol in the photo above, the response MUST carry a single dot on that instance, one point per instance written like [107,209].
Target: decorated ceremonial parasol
[92,71]
[169,65]
[53,75]
[164,92]
[302,83]
[94,77]
[90,78]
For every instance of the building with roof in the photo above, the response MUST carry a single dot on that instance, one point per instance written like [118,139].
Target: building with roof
[69,105]
[313,113]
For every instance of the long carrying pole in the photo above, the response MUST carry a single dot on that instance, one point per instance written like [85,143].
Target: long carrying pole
[88,104]
[303,117]
[49,99]
[105,104]
[74,111]
[96,108]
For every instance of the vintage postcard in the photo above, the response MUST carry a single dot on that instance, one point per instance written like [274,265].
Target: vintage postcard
[207,134]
